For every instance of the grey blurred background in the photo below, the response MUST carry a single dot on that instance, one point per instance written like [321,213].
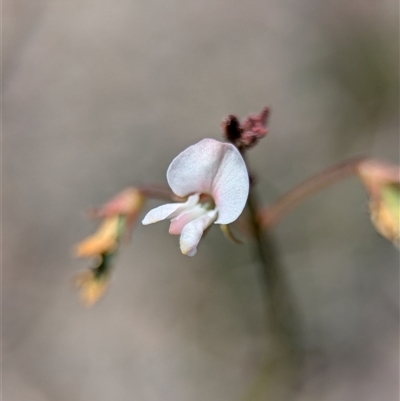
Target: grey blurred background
[102,94]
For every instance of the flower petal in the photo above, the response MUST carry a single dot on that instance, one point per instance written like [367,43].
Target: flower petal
[193,170]
[169,210]
[214,168]
[230,187]
[193,231]
[182,219]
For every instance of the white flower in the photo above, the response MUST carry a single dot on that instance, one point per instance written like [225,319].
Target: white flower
[214,177]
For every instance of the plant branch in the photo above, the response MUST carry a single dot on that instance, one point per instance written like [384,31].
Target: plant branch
[158,192]
[281,308]
[281,313]
[272,214]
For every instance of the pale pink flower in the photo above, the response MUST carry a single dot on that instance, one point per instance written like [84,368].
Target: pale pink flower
[214,178]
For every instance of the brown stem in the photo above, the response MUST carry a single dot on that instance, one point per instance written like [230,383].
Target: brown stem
[272,214]
[282,312]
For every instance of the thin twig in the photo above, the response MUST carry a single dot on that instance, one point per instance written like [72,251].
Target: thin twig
[281,313]
[158,192]
[272,214]
[281,308]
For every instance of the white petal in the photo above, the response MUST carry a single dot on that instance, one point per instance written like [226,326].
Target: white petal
[169,210]
[230,188]
[193,231]
[213,168]
[194,169]
[184,218]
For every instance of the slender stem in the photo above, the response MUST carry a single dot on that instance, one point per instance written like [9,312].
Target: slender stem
[158,192]
[281,308]
[281,313]
[272,214]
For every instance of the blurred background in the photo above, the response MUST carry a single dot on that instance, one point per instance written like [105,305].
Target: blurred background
[99,95]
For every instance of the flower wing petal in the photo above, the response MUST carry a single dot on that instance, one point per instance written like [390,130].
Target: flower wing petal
[169,210]
[193,231]
[194,169]
[180,221]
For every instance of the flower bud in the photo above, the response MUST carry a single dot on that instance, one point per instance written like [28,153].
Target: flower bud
[128,202]
[246,134]
[382,182]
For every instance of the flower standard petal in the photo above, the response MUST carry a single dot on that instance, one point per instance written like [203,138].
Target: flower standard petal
[214,168]
[194,169]
[193,231]
[230,187]
[169,210]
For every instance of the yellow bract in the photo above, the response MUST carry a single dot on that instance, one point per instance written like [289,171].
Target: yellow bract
[385,213]
[226,230]
[118,216]
[382,182]
[91,286]
[102,241]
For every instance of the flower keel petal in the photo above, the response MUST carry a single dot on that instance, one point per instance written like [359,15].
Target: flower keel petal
[193,231]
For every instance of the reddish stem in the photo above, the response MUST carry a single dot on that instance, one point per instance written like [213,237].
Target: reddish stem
[272,214]
[159,192]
